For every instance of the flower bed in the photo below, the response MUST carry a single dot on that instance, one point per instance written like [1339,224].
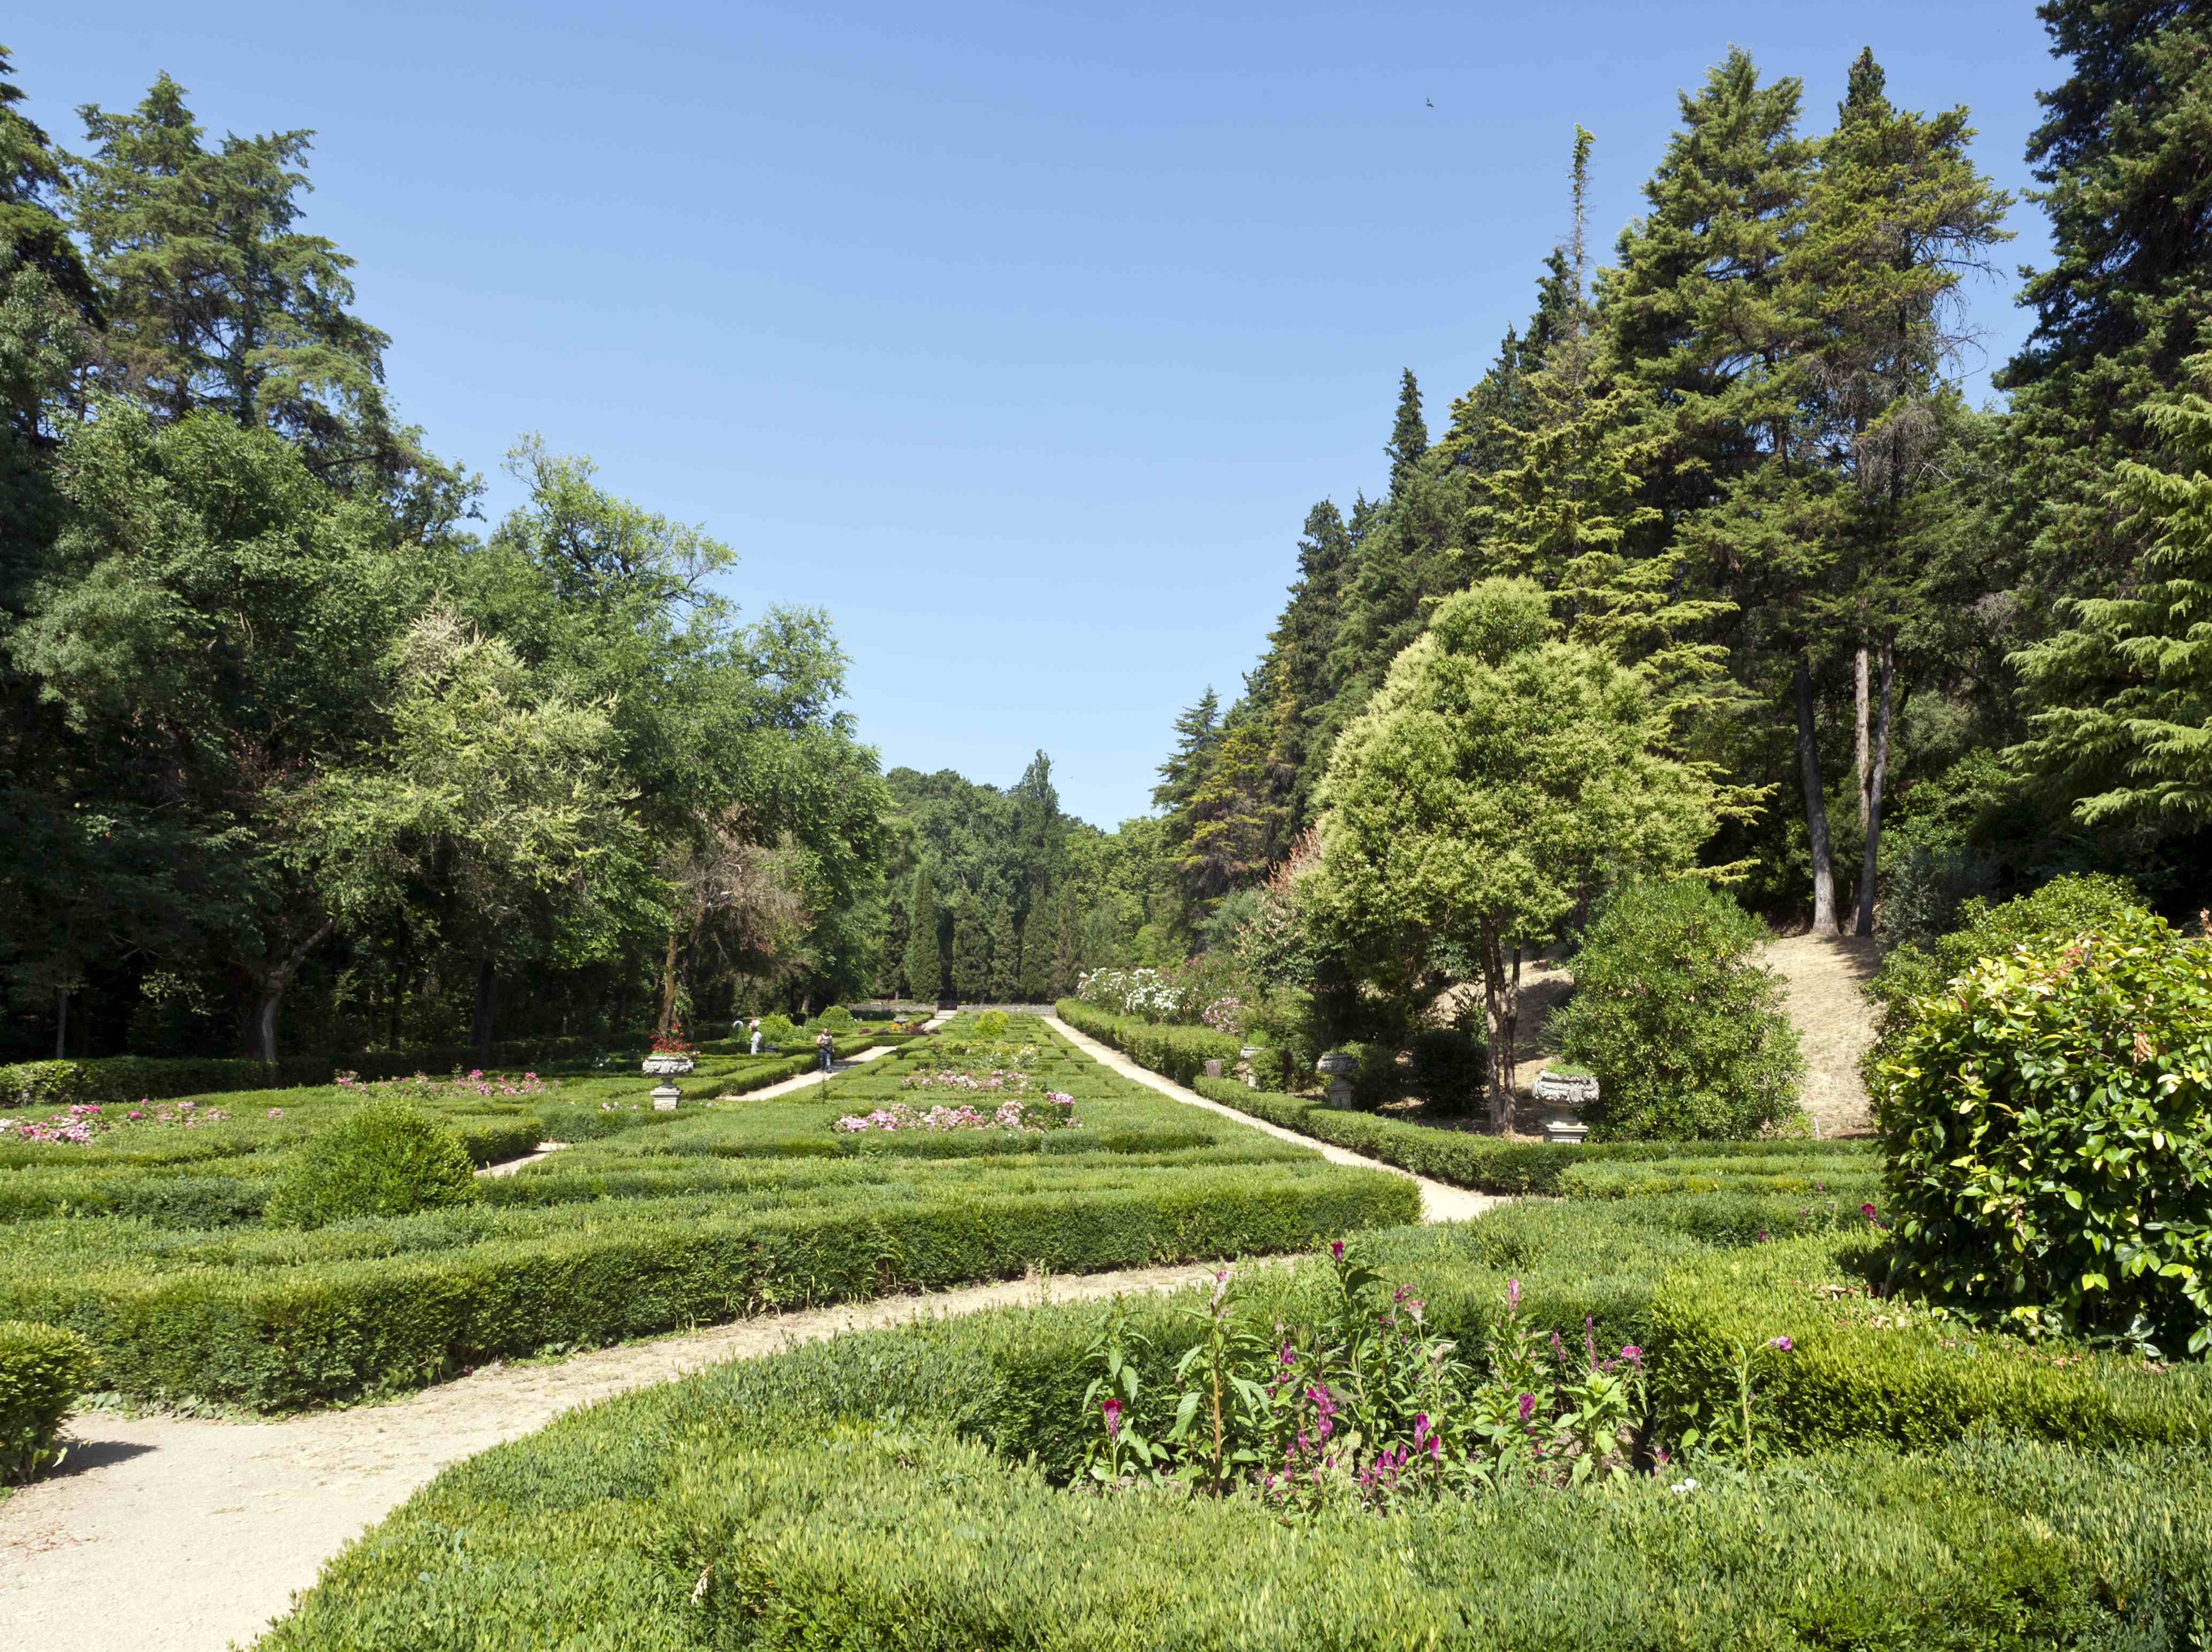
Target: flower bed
[1055,1110]
[86,1120]
[421,1087]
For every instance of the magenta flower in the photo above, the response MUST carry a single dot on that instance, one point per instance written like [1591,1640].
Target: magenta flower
[1336,1249]
[1112,1408]
[1527,1407]
[1512,1293]
[1632,1353]
[1783,1343]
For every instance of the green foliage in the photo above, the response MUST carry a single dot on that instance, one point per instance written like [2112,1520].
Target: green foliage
[44,1370]
[1495,776]
[778,1032]
[386,1158]
[1174,1052]
[2078,904]
[992,1024]
[1684,1029]
[838,1018]
[2048,1122]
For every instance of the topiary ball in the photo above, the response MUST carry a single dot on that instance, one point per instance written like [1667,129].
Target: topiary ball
[385,1158]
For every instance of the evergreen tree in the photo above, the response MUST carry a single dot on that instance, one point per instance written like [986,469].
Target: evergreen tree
[971,949]
[1409,433]
[1005,953]
[925,965]
[213,299]
[2120,156]
[2126,688]
[1197,731]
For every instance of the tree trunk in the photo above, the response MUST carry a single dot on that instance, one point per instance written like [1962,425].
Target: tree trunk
[60,1023]
[667,1026]
[1860,732]
[394,1006]
[272,986]
[1501,1005]
[1816,806]
[487,1006]
[1877,773]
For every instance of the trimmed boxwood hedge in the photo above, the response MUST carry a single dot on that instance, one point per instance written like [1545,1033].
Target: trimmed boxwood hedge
[305,1335]
[900,1488]
[44,1370]
[1176,1053]
[1858,1366]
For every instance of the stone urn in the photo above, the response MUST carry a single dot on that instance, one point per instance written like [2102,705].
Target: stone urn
[1563,1095]
[666,1096]
[1339,1066]
[663,1066]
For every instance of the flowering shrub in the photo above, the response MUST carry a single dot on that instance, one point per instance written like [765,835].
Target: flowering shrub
[1053,1110]
[422,1086]
[988,1052]
[1368,1409]
[1225,1015]
[1148,994]
[954,1079]
[672,1044]
[86,1120]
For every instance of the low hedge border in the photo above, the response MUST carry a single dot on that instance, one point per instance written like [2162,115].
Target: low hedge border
[1488,1164]
[309,1337]
[43,1370]
[1852,1366]
[1173,1052]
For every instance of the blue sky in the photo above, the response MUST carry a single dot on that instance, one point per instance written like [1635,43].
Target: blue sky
[1020,338]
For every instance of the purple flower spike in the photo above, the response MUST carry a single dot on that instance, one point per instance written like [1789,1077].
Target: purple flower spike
[1336,1249]
[1527,1407]
[1512,1293]
[1112,1408]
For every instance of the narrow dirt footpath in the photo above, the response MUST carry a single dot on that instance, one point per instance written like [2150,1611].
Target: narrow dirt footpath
[1439,1202]
[178,1535]
[1835,1023]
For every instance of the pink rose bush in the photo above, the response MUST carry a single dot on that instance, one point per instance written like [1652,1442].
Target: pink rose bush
[1055,1110]
[85,1120]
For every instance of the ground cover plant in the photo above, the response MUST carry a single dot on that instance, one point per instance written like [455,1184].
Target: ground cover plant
[1624,1423]
[174,1256]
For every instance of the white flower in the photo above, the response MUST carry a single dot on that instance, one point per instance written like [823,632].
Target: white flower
[1683,1487]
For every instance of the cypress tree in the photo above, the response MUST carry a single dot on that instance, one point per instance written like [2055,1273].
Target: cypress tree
[1006,966]
[971,950]
[925,965]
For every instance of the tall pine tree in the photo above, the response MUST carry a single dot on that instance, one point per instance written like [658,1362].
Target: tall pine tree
[925,960]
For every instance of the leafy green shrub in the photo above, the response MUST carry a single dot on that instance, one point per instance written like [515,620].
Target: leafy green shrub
[385,1158]
[778,1032]
[836,1017]
[2074,905]
[2048,1123]
[130,1078]
[43,1370]
[992,1024]
[1686,1033]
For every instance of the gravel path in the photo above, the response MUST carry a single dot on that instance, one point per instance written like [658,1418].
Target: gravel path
[1439,1201]
[178,1535]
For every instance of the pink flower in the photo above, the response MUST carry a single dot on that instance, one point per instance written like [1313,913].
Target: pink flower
[1112,1409]
[1632,1353]
[1512,1294]
[1783,1343]
[1527,1407]
[1336,1249]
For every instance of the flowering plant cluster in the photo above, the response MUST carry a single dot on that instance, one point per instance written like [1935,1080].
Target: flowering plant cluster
[1055,1110]
[953,1079]
[86,1119]
[1367,1409]
[1225,1015]
[672,1044]
[987,1052]
[422,1086]
[1181,993]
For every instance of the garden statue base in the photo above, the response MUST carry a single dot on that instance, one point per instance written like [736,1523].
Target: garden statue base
[1246,1074]
[664,1097]
[1566,1129]
[1339,1093]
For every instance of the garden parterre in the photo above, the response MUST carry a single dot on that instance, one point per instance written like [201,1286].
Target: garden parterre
[925,1487]
[151,1243]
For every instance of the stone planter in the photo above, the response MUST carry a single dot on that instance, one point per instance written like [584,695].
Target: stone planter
[1244,1071]
[664,1098]
[1566,1095]
[1339,1066]
[662,1066]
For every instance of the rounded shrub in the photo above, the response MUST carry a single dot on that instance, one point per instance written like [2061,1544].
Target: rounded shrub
[1685,1032]
[385,1158]
[992,1024]
[838,1018]
[44,1371]
[778,1032]
[2047,1122]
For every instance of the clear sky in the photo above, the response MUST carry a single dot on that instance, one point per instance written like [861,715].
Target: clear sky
[1019,337]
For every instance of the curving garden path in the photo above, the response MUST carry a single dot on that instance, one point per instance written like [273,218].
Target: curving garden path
[1440,1202]
[166,1533]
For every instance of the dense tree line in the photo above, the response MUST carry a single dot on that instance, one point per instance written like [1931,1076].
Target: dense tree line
[295,754]
[1936,649]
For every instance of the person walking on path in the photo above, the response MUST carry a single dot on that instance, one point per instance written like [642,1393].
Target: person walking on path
[756,1028]
[824,1044]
